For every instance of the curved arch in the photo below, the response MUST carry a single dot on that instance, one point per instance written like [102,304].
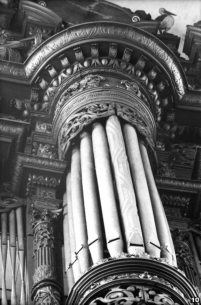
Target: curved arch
[107,30]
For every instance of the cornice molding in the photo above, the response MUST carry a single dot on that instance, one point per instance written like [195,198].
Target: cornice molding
[108,30]
[178,184]
[90,32]
[38,163]
[14,129]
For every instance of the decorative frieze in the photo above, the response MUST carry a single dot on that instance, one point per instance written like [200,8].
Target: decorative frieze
[40,164]
[35,182]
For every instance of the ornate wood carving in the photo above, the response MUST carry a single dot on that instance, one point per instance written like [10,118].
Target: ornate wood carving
[118,288]
[46,287]
[96,109]
[41,164]
[131,294]
[133,35]
[44,150]
[35,182]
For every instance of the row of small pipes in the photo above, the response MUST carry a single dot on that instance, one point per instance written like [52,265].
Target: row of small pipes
[12,237]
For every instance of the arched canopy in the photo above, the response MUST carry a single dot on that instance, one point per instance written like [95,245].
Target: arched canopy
[130,36]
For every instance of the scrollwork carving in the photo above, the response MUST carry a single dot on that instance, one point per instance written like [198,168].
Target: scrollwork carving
[76,122]
[90,81]
[130,295]
[47,295]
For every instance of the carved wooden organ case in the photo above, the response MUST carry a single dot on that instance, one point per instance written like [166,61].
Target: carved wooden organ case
[103,199]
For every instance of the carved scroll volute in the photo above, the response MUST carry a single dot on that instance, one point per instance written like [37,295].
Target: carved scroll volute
[46,289]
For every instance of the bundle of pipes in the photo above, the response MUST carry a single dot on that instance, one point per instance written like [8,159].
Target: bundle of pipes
[111,182]
[12,219]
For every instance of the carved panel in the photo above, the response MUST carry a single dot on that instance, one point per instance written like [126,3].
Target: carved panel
[45,193]
[183,253]
[43,127]
[180,201]
[44,150]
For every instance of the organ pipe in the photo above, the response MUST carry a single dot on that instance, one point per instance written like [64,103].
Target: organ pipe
[159,216]
[67,250]
[78,211]
[91,203]
[74,261]
[12,244]
[151,241]
[106,190]
[127,200]
[4,245]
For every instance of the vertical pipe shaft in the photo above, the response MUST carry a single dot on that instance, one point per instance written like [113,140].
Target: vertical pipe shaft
[92,212]
[67,250]
[125,190]
[20,236]
[74,261]
[78,211]
[174,258]
[4,244]
[159,214]
[12,243]
[106,190]
[152,244]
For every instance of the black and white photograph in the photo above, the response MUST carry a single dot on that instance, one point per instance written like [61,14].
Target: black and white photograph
[100,152]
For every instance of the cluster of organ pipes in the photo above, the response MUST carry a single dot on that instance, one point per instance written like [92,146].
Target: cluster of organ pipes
[12,238]
[110,185]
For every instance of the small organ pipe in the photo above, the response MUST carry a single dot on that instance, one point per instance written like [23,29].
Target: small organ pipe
[74,261]
[20,237]
[4,245]
[91,203]
[78,211]
[67,251]
[159,215]
[152,244]
[125,190]
[106,190]
[12,244]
